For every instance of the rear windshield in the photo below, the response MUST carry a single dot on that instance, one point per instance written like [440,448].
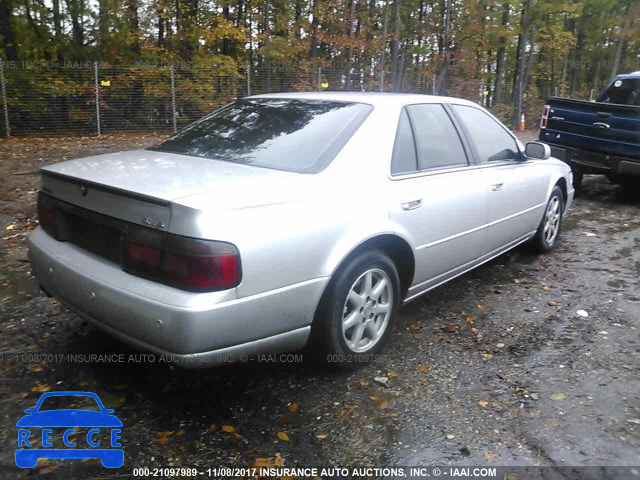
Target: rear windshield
[75,402]
[624,92]
[283,134]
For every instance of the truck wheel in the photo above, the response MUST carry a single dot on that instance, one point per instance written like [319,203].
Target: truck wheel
[631,188]
[357,311]
[577,178]
[549,228]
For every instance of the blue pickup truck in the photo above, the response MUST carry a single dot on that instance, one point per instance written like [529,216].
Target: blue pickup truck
[598,137]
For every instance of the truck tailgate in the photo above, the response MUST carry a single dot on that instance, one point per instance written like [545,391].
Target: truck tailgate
[599,127]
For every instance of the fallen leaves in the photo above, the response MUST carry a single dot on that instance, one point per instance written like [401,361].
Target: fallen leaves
[486,355]
[293,408]
[553,303]
[558,396]
[267,462]
[487,403]
[162,438]
[228,429]
[41,388]
[421,368]
[283,436]
[490,456]
[470,319]
[321,436]
[449,329]
[380,402]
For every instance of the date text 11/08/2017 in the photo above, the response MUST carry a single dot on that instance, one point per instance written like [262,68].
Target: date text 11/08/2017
[277,472]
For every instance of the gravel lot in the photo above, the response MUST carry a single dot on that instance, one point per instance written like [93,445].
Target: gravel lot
[496,368]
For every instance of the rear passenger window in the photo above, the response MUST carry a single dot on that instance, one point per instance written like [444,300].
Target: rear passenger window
[404,149]
[437,141]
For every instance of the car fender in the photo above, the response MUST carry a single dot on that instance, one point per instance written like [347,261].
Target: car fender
[357,235]
[561,171]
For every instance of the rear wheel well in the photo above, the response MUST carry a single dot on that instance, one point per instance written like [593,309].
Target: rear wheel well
[562,183]
[397,249]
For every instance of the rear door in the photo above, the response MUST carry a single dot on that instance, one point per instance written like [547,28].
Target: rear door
[437,196]
[516,188]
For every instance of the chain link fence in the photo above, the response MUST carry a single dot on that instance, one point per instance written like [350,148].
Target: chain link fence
[91,98]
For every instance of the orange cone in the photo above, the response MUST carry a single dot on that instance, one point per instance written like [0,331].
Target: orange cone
[521,127]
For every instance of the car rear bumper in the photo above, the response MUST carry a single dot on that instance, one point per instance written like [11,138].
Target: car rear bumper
[595,162]
[193,329]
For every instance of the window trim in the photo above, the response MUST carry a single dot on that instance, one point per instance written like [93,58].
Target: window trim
[521,157]
[413,140]
[469,154]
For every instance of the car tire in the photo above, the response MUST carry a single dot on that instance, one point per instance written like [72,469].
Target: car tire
[578,174]
[356,312]
[630,188]
[548,231]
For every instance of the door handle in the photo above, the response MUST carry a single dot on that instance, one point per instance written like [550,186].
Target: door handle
[412,205]
[496,187]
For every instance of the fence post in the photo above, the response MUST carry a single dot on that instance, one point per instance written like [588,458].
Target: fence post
[95,73]
[248,79]
[319,79]
[5,106]
[174,114]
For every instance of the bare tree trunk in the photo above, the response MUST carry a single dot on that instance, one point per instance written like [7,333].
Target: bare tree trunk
[8,34]
[267,39]
[384,43]
[530,61]
[395,60]
[518,78]
[499,81]
[134,24]
[315,22]
[352,23]
[160,13]
[443,79]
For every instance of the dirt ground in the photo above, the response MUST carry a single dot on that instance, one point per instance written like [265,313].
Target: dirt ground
[497,368]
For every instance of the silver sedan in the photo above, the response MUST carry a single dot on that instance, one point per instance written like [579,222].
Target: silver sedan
[287,220]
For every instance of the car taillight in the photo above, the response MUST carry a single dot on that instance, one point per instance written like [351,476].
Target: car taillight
[46,216]
[182,262]
[545,116]
[200,265]
[142,251]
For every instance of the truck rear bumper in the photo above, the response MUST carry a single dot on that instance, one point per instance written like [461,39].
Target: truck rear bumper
[595,162]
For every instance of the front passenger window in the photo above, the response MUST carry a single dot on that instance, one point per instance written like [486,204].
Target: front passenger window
[437,140]
[490,138]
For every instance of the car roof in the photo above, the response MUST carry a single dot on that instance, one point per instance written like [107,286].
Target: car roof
[373,98]
[70,394]
[629,76]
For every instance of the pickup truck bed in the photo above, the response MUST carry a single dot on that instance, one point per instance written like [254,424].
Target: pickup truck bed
[597,137]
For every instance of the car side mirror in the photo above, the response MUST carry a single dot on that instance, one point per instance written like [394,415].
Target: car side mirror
[538,150]
[109,411]
[29,411]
